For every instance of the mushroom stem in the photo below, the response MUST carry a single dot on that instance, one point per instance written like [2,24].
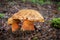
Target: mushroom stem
[15,27]
[28,26]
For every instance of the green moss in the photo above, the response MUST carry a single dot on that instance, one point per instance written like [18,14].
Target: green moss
[55,22]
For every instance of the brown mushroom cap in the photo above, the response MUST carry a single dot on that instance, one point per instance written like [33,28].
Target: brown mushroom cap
[29,14]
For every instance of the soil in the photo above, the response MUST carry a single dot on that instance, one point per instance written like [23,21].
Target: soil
[44,30]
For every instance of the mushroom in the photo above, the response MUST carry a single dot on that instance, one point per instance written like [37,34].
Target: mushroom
[28,16]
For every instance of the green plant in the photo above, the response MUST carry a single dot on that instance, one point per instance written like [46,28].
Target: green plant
[1,15]
[41,2]
[55,22]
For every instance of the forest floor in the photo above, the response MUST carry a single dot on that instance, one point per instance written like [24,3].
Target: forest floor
[45,32]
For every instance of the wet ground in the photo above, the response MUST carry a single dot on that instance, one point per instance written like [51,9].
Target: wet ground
[44,32]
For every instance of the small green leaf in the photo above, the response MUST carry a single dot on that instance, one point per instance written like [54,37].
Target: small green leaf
[35,38]
[2,15]
[48,2]
[23,0]
[33,1]
[41,2]
[58,8]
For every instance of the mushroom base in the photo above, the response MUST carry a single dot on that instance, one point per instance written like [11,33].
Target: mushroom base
[28,26]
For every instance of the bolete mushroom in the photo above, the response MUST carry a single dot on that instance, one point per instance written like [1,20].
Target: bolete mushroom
[28,16]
